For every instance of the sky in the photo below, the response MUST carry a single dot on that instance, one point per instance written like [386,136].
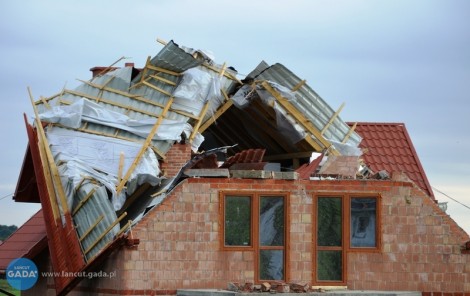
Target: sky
[402,61]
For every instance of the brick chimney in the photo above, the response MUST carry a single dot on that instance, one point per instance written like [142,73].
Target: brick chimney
[176,158]
[95,71]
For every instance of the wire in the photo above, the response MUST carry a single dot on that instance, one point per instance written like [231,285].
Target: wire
[450,197]
[8,195]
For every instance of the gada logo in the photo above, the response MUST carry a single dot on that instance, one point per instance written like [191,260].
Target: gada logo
[22,274]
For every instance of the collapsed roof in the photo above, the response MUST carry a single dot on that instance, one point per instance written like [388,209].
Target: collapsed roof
[96,147]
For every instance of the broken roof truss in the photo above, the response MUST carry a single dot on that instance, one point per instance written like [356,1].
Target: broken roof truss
[100,148]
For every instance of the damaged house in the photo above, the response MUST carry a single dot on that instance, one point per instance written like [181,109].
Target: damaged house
[179,175]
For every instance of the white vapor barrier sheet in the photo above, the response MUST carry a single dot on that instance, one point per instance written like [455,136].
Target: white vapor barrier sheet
[98,157]
[195,89]
[88,111]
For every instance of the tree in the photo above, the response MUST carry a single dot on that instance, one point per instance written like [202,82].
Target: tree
[6,231]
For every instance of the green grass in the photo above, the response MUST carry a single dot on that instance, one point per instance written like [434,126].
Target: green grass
[4,285]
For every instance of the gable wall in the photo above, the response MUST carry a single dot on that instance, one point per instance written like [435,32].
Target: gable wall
[179,242]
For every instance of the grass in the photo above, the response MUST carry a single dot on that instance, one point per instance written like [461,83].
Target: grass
[4,285]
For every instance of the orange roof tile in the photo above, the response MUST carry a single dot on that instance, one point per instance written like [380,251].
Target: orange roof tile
[388,146]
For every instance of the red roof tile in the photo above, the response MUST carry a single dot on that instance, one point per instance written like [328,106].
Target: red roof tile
[387,146]
[27,241]
[245,156]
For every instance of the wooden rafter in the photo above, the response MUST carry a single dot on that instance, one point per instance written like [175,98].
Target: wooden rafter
[109,67]
[116,104]
[110,227]
[351,130]
[224,107]
[51,167]
[203,112]
[154,87]
[90,229]
[162,70]
[144,146]
[325,128]
[299,85]
[156,77]
[83,201]
[199,121]
[325,144]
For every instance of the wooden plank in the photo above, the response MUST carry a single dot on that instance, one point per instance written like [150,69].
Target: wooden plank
[57,182]
[45,103]
[110,227]
[163,70]
[217,114]
[299,85]
[154,87]
[48,180]
[121,166]
[124,228]
[199,121]
[225,74]
[90,229]
[112,103]
[313,143]
[299,118]
[130,96]
[80,184]
[351,130]
[144,146]
[325,128]
[161,41]
[144,71]
[109,67]
[83,201]
[222,70]
[156,77]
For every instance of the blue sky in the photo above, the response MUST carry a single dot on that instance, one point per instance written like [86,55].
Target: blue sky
[389,61]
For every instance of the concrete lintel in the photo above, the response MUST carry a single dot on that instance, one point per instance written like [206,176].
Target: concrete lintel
[224,173]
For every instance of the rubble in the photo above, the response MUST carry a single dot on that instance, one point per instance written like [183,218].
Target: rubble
[270,287]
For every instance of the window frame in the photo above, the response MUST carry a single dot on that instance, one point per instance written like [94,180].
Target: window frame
[346,233]
[255,234]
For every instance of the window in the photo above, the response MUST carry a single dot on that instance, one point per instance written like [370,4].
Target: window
[237,224]
[330,250]
[271,238]
[344,223]
[363,222]
[257,222]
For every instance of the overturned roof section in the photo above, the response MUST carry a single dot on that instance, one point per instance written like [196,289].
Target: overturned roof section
[133,103]
[387,146]
[27,241]
[278,111]
[309,103]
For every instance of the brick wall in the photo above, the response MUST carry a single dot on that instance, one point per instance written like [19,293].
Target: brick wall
[180,248]
[421,249]
[176,157]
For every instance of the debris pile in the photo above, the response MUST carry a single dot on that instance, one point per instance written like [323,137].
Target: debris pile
[269,287]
